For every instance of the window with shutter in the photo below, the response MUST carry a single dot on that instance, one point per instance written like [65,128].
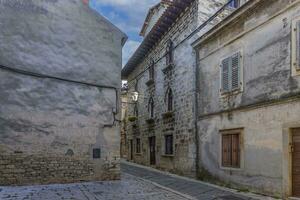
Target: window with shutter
[231,150]
[225,75]
[235,66]
[231,73]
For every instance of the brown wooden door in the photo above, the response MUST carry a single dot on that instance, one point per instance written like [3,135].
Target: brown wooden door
[152,150]
[131,149]
[296,163]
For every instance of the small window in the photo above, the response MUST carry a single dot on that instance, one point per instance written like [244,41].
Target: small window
[136,86]
[231,150]
[96,153]
[138,145]
[169,53]
[169,144]
[234,4]
[151,71]
[296,47]
[136,111]
[169,100]
[151,108]
[231,73]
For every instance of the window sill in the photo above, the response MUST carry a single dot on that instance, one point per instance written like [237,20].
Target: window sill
[150,121]
[231,168]
[230,93]
[168,114]
[168,155]
[150,82]
[168,68]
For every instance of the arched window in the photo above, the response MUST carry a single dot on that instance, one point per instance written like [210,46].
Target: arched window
[136,86]
[151,71]
[151,108]
[169,100]
[136,111]
[234,3]
[169,53]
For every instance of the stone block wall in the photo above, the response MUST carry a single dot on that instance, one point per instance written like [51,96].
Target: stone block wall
[51,123]
[180,78]
[20,169]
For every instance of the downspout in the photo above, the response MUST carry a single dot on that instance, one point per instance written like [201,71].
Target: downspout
[196,113]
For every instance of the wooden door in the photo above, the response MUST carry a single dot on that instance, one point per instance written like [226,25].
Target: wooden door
[296,163]
[152,150]
[131,149]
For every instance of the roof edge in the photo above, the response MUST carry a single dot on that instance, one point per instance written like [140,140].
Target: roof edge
[249,5]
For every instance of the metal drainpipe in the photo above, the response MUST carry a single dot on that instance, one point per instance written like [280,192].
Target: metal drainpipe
[196,113]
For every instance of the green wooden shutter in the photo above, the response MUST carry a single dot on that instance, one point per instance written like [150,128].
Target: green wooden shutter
[225,76]
[235,71]
[298,44]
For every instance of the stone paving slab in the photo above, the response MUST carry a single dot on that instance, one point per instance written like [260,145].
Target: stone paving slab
[192,188]
[129,188]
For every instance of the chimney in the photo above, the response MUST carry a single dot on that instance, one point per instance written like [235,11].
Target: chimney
[85,2]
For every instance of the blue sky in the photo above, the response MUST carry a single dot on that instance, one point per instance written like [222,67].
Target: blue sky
[128,15]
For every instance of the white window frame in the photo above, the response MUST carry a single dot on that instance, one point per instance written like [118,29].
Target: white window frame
[295,63]
[241,87]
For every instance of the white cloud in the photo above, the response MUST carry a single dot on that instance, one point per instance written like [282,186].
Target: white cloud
[129,49]
[135,12]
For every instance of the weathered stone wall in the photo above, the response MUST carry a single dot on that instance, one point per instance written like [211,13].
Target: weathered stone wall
[44,121]
[181,80]
[267,105]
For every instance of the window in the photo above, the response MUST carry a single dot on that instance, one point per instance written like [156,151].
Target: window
[296,47]
[96,153]
[151,71]
[138,145]
[151,108]
[169,53]
[231,73]
[169,144]
[136,111]
[234,3]
[169,100]
[231,150]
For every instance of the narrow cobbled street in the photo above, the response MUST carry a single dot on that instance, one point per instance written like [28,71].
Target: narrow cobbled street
[138,183]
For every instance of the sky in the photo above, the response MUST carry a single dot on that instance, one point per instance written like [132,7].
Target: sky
[128,15]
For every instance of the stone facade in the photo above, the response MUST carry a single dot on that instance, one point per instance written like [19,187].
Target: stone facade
[124,102]
[180,78]
[266,107]
[59,104]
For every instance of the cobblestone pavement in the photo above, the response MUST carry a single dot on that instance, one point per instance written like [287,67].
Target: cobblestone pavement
[130,188]
[138,183]
[192,188]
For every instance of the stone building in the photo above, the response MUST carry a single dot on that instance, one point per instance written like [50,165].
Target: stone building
[124,108]
[161,124]
[59,105]
[249,89]
[227,110]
